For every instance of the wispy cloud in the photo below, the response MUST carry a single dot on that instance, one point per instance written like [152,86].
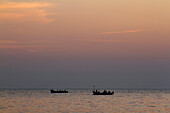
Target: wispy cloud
[18,42]
[8,42]
[119,32]
[13,5]
[107,41]
[100,40]
[25,12]
[18,46]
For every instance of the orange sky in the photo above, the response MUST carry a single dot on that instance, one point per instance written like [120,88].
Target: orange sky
[67,24]
[73,23]
[105,29]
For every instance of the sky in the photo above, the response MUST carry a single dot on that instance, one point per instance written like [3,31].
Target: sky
[78,43]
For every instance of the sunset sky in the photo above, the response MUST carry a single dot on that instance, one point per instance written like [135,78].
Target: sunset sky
[78,43]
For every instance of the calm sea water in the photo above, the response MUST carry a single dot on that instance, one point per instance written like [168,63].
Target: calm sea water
[82,101]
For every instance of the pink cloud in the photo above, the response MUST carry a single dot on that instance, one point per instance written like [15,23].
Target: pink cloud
[119,32]
[5,42]
[109,41]
[8,42]
[18,46]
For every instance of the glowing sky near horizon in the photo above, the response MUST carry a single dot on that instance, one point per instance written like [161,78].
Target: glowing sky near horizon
[112,43]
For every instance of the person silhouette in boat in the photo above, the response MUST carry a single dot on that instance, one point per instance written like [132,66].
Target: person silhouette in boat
[104,91]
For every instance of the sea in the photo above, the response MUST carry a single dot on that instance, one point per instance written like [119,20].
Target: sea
[82,101]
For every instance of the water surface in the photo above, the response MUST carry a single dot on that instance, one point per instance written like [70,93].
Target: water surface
[76,101]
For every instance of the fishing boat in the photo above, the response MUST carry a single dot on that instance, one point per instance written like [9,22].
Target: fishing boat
[96,92]
[58,91]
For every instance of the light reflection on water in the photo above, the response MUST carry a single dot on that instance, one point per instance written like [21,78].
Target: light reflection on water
[124,101]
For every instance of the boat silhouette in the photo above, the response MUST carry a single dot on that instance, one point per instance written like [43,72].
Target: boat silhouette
[96,92]
[58,91]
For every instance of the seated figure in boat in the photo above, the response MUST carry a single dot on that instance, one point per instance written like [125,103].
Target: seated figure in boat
[104,91]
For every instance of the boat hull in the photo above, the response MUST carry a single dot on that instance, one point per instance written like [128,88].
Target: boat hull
[101,93]
[52,91]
